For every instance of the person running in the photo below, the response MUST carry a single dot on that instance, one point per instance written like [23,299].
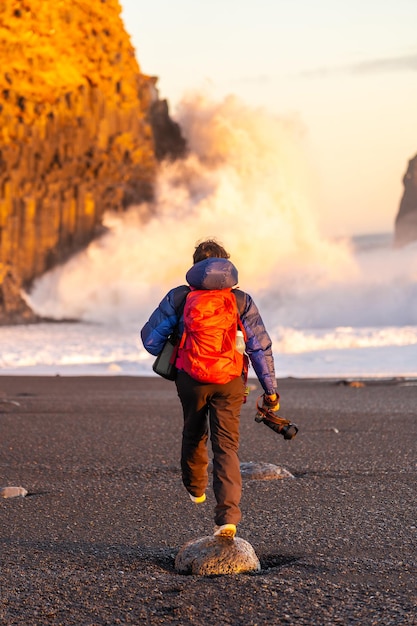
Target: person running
[209,406]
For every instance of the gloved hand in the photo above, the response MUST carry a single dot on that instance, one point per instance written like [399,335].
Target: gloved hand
[271,402]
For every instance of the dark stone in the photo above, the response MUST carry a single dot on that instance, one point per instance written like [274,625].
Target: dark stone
[168,140]
[13,307]
[136,192]
[406,220]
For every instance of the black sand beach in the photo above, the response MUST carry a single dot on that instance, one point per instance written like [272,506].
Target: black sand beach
[94,541]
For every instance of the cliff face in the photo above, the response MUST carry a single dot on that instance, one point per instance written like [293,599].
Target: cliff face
[75,134]
[406,220]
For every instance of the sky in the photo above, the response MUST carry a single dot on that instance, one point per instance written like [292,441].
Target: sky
[345,70]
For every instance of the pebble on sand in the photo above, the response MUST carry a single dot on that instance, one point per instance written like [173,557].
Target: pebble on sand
[13,492]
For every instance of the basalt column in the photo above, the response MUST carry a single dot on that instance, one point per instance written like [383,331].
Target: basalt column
[75,134]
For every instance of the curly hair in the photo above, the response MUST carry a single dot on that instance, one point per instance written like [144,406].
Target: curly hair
[209,248]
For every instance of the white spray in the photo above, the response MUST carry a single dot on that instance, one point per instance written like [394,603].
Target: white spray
[248,183]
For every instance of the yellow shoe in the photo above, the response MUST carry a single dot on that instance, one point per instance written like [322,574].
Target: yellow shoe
[227,531]
[198,499]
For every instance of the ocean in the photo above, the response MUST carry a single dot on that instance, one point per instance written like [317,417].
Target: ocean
[334,307]
[366,330]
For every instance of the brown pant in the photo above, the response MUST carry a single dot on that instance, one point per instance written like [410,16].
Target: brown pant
[219,406]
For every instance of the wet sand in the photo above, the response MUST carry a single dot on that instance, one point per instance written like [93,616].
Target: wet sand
[94,542]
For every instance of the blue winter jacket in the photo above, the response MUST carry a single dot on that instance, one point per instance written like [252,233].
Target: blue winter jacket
[214,273]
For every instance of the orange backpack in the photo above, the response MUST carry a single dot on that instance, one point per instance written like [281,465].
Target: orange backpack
[207,350]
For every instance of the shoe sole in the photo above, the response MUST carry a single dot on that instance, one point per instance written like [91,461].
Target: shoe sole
[225,533]
[197,499]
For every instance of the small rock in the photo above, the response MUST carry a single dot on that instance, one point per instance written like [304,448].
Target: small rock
[352,383]
[211,555]
[13,492]
[263,471]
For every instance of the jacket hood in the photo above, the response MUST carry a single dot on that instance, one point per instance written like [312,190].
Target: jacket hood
[212,273]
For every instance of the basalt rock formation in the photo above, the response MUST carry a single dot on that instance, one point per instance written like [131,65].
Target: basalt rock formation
[406,220]
[80,133]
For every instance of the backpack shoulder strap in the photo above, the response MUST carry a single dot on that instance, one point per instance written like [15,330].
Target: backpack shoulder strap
[180,297]
[240,300]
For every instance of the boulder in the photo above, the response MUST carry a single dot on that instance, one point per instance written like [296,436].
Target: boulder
[209,556]
[406,220]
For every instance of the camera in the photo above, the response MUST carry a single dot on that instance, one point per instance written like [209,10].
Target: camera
[277,424]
